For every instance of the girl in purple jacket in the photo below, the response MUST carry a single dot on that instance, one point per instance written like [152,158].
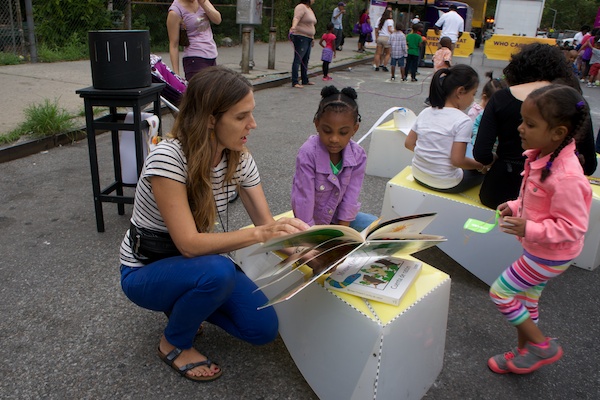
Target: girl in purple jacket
[330,167]
[549,218]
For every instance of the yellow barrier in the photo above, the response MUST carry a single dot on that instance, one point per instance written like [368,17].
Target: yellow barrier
[501,47]
[464,46]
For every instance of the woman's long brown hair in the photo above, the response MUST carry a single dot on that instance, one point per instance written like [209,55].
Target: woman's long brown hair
[213,91]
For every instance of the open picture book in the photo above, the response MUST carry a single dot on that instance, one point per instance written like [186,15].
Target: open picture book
[325,247]
[380,278]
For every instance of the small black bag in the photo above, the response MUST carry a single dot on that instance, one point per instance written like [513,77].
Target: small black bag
[183,37]
[148,246]
[184,40]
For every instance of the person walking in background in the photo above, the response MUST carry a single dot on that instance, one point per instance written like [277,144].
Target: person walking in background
[550,218]
[194,17]
[338,28]
[415,20]
[593,76]
[451,24]
[398,51]
[302,34]
[413,43]
[384,29]
[362,38]
[582,37]
[330,166]
[328,53]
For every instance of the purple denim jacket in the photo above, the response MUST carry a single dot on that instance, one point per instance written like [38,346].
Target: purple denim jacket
[318,196]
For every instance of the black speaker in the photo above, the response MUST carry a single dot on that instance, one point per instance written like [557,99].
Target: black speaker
[120,59]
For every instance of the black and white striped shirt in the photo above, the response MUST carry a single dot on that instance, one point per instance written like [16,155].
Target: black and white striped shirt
[167,160]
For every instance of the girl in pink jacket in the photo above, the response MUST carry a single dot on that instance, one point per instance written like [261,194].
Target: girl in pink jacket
[549,218]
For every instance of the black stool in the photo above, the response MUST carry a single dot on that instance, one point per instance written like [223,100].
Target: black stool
[113,122]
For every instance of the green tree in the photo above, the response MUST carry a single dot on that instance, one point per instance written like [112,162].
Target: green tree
[569,14]
[57,22]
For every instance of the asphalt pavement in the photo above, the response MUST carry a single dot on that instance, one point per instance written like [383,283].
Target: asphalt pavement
[68,332]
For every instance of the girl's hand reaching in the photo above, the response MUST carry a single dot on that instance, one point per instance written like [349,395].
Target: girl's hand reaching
[508,223]
[513,226]
[505,210]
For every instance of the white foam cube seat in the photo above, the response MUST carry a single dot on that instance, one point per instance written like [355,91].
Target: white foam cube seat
[484,255]
[387,155]
[349,348]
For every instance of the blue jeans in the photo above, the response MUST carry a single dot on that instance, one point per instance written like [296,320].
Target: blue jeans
[362,220]
[302,46]
[207,288]
[339,35]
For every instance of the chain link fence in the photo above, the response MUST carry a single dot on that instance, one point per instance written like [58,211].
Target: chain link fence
[63,26]
[12,32]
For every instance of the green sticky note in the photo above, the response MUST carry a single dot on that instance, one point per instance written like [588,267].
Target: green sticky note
[478,226]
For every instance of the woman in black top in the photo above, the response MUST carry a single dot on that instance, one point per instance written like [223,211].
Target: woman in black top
[536,65]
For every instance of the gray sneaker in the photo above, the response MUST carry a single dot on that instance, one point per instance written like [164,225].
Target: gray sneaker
[533,357]
[497,363]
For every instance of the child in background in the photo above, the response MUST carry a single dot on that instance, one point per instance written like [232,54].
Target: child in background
[330,167]
[442,58]
[328,53]
[476,110]
[549,218]
[413,43]
[594,70]
[398,44]
[440,135]
[571,56]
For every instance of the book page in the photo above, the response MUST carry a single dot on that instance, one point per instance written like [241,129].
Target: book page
[409,224]
[406,245]
[318,258]
[313,236]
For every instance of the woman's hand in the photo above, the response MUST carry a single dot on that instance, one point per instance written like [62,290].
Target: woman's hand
[211,12]
[281,227]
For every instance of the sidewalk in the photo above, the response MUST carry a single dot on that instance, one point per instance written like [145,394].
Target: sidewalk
[26,84]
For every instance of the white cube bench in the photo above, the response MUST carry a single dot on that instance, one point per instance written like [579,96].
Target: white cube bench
[387,155]
[484,255]
[350,348]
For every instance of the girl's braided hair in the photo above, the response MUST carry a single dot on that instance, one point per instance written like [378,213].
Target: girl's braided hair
[336,101]
[561,105]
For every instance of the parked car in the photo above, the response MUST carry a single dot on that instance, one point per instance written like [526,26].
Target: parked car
[568,42]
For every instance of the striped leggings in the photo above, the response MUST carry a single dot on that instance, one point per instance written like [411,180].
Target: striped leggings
[517,290]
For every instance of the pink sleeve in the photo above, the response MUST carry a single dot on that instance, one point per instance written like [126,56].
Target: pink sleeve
[569,214]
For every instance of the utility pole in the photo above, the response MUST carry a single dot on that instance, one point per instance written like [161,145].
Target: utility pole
[553,19]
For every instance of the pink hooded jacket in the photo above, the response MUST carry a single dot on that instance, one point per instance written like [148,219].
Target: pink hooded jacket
[557,210]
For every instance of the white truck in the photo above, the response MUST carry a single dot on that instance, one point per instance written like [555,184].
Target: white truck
[518,17]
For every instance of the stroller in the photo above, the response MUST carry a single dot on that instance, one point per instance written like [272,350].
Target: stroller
[175,85]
